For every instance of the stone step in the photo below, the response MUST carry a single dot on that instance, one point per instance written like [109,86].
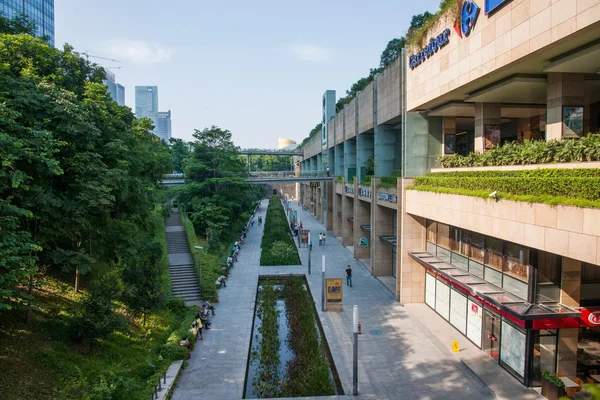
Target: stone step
[186,292]
[182,271]
[188,286]
[184,278]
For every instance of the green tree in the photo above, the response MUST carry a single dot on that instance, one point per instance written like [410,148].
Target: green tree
[179,152]
[392,51]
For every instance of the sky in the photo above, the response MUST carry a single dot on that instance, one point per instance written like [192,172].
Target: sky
[258,69]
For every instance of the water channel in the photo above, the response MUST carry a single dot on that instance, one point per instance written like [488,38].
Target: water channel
[286,374]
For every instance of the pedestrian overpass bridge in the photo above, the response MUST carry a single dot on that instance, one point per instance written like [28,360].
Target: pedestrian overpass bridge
[262,178]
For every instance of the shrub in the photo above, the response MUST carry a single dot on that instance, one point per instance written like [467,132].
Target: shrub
[585,188]
[530,152]
[388,182]
[367,180]
[277,246]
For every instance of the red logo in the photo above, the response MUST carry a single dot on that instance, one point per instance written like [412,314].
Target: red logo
[594,318]
[475,309]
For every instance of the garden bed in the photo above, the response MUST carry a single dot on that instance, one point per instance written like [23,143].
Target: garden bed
[289,356]
[277,246]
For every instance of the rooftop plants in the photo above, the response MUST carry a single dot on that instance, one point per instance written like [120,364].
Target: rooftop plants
[530,152]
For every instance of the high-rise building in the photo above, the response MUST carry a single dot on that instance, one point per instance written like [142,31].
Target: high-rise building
[116,90]
[163,128]
[146,103]
[146,106]
[39,11]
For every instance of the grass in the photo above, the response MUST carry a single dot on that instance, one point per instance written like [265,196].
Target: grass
[38,361]
[484,194]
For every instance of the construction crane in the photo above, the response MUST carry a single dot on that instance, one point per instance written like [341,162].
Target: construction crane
[87,56]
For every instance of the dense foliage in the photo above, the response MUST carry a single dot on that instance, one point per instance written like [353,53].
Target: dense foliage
[308,372]
[265,352]
[277,246]
[79,180]
[216,193]
[530,152]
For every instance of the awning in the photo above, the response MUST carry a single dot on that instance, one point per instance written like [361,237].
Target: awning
[389,239]
[366,228]
[339,213]
[493,294]
[351,219]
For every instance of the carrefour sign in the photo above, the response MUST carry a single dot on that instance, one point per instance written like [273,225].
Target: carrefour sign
[468,17]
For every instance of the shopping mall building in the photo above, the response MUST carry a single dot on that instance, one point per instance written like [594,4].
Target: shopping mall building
[518,279]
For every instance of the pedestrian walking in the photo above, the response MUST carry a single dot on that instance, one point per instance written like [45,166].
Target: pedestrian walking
[320,239]
[349,276]
[252,222]
[324,238]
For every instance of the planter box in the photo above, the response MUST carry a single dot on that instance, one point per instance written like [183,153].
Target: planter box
[551,391]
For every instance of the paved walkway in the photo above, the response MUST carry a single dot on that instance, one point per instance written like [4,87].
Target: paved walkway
[407,360]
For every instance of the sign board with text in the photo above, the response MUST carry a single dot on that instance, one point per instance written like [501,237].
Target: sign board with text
[334,289]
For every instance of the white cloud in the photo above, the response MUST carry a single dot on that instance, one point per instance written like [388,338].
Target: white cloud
[309,52]
[136,51]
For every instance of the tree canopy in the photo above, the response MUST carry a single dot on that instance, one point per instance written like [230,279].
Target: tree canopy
[73,162]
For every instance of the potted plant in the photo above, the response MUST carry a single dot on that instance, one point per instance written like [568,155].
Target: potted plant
[552,387]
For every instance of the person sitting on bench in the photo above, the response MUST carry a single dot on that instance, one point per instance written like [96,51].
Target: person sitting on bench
[203,316]
[209,306]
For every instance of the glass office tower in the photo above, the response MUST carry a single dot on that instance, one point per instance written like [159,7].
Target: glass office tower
[39,11]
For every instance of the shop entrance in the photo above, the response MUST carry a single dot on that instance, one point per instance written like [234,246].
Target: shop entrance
[491,334]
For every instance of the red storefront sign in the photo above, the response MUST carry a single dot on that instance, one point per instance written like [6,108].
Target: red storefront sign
[590,317]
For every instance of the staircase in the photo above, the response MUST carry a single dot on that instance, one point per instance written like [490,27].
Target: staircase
[184,281]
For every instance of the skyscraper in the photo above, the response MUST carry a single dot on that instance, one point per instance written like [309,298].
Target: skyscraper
[163,128]
[39,11]
[116,90]
[146,103]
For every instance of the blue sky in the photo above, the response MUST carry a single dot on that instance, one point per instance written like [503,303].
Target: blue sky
[256,68]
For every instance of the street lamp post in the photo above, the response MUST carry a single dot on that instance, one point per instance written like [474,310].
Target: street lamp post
[355,355]
[309,251]
[200,274]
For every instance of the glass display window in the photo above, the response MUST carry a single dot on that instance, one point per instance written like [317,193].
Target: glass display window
[431,231]
[512,353]
[455,239]
[493,253]
[443,235]
[473,246]
[548,271]
[516,261]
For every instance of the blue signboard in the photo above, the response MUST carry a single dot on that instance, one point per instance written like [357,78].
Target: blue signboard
[491,5]
[469,14]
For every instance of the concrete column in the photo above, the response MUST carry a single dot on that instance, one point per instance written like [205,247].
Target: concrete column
[362,216]
[339,160]
[384,140]
[381,225]
[331,161]
[364,150]
[567,351]
[337,219]
[448,128]
[562,90]
[410,282]
[330,210]
[570,293]
[348,211]
[485,114]
[349,159]
[318,205]
[320,162]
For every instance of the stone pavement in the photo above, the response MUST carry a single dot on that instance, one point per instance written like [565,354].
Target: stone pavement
[401,359]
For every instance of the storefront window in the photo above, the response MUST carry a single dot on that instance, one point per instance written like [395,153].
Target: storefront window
[431,248]
[443,254]
[548,267]
[455,239]
[493,253]
[460,262]
[544,354]
[473,246]
[515,286]
[476,269]
[512,353]
[590,285]
[443,236]
[492,276]
[516,261]
[431,231]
